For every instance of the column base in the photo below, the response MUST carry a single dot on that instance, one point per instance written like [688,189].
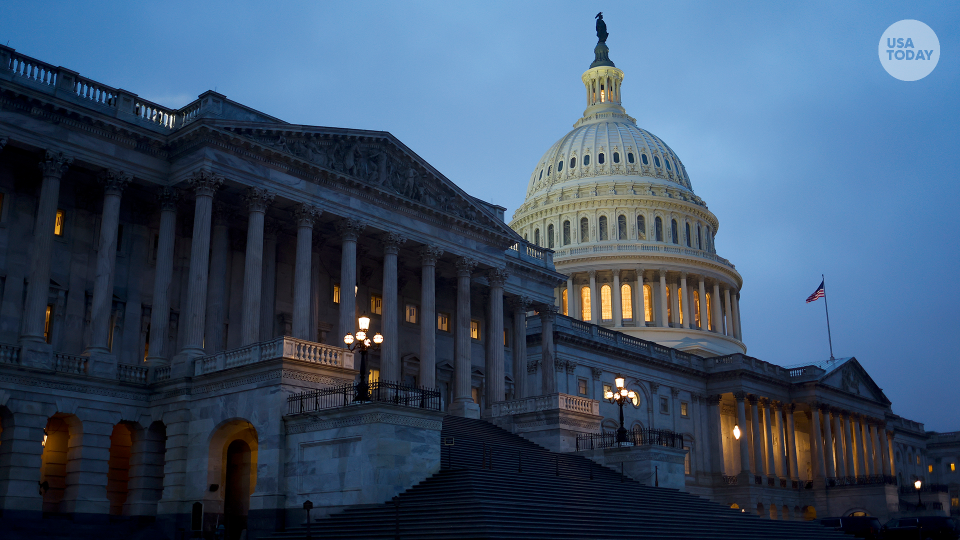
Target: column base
[466,409]
[35,353]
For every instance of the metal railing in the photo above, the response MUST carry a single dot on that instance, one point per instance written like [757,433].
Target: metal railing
[925,488]
[345,395]
[872,479]
[636,437]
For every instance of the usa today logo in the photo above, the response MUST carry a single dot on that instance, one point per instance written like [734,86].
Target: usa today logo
[909,50]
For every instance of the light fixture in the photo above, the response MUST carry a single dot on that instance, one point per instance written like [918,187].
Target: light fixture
[736,432]
[917,484]
[348,339]
[377,338]
[619,397]
[624,392]
[608,395]
[360,340]
[619,381]
[361,335]
[44,442]
[363,323]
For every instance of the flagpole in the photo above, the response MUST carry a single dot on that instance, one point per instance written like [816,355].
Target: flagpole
[827,309]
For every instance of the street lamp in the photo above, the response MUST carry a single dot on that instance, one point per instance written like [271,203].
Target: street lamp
[917,485]
[360,341]
[620,397]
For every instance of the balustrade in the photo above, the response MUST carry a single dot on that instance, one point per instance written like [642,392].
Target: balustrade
[134,374]
[70,363]
[283,347]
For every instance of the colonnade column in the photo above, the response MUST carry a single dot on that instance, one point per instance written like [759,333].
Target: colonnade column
[349,230]
[862,445]
[390,368]
[888,435]
[594,298]
[683,294]
[494,357]
[641,316]
[204,184]
[168,198]
[756,435]
[848,432]
[53,166]
[877,450]
[728,328]
[268,296]
[463,404]
[664,318]
[617,302]
[717,317]
[792,441]
[868,447]
[569,311]
[884,449]
[736,316]
[839,452]
[305,215]
[548,359]
[101,305]
[520,306]
[768,434]
[816,443]
[716,433]
[703,306]
[257,199]
[675,303]
[828,455]
[428,315]
[216,292]
[744,443]
[782,458]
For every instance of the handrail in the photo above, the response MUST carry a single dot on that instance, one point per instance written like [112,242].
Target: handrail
[345,395]
[635,437]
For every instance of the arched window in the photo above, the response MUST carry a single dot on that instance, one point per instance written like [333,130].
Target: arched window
[602,225]
[586,160]
[585,303]
[536,237]
[550,168]
[643,159]
[674,234]
[621,227]
[525,239]
[709,240]
[709,311]
[658,225]
[696,308]
[584,230]
[680,302]
[564,301]
[600,158]
[560,165]
[699,237]
[573,162]
[626,301]
[566,232]
[541,174]
[641,228]
[687,236]
[616,157]
[647,303]
[629,157]
[669,306]
[550,236]
[606,303]
[656,159]
[668,164]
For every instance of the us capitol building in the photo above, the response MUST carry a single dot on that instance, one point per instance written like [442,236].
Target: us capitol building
[176,285]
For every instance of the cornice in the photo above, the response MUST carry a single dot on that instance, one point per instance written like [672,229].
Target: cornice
[542,210]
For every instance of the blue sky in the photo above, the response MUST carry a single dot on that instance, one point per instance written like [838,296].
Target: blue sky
[814,159]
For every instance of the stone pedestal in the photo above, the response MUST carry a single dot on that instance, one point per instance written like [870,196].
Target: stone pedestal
[102,365]
[466,409]
[651,465]
[552,421]
[36,354]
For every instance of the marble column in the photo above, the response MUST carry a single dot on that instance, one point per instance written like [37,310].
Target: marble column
[569,311]
[848,445]
[685,301]
[305,215]
[520,305]
[664,313]
[217,290]
[547,353]
[53,166]
[594,298]
[840,456]
[716,434]
[877,454]
[792,441]
[717,316]
[783,469]
[463,404]
[816,443]
[885,453]
[736,316]
[728,328]
[349,230]
[268,295]
[675,304]
[756,435]
[617,307]
[101,306]
[168,198]
[493,361]
[641,316]
[204,184]
[704,320]
[871,464]
[257,199]
[428,315]
[390,368]
[744,442]
[862,446]
[828,448]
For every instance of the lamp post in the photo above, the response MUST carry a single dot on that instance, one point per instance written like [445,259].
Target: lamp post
[360,341]
[918,484]
[620,397]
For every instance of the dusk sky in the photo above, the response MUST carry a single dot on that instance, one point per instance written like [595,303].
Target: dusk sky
[813,158]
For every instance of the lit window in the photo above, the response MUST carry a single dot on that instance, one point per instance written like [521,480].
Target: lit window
[669,307]
[607,388]
[336,293]
[930,469]
[709,311]
[58,226]
[953,467]
[606,303]
[955,502]
[411,314]
[373,376]
[585,303]
[643,158]
[600,158]
[48,324]
[696,308]
[616,157]
[563,300]
[586,160]
[626,301]
[475,329]
[621,227]
[684,408]
[376,304]
[918,459]
[629,157]
[686,461]
[506,340]
[582,387]
[664,405]
[680,299]
[647,303]
[475,394]
[584,230]
[443,322]
[602,226]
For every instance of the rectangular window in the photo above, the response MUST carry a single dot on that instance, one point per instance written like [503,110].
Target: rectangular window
[474,329]
[585,313]
[918,459]
[955,502]
[336,293]
[607,388]
[664,405]
[953,467]
[686,461]
[506,341]
[475,394]
[564,303]
[58,225]
[376,304]
[582,387]
[48,324]
[930,469]
[684,408]
[411,314]
[443,322]
[373,376]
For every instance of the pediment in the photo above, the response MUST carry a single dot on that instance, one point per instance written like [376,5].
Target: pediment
[850,377]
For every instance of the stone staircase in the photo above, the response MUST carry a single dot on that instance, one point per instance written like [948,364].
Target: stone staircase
[494,484]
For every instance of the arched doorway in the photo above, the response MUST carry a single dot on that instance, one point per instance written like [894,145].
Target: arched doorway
[809,513]
[118,475]
[237,490]
[53,462]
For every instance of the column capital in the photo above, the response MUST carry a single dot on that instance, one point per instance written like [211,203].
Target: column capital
[740,395]
[520,303]
[696,397]
[168,198]
[258,199]
[776,405]
[113,181]
[547,312]
[306,214]
[497,277]
[753,399]
[764,402]
[713,399]
[675,392]
[596,372]
[789,407]
[654,387]
[429,255]
[221,213]
[392,242]
[824,408]
[683,275]
[814,405]
[55,163]
[616,272]
[350,228]
[592,273]
[465,266]
[205,183]
[662,272]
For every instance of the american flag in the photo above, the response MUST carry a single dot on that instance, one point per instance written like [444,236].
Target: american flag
[816,294]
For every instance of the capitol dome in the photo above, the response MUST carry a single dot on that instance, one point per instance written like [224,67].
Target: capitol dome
[616,205]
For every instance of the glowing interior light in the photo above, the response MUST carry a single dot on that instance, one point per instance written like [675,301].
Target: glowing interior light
[348,339]
[364,323]
[608,395]
[377,338]
[361,335]
[736,432]
[619,381]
